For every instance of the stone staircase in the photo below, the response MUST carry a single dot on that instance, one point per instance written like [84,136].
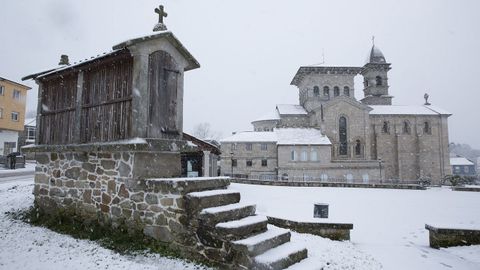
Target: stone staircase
[232,232]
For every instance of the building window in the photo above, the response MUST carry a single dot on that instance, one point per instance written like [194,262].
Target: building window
[324,177]
[406,127]
[342,131]
[378,80]
[304,155]
[313,155]
[427,129]
[234,163]
[346,91]
[386,127]
[365,82]
[2,90]
[326,91]
[15,116]
[316,91]
[1,113]
[263,146]
[16,94]
[31,133]
[234,146]
[336,91]
[358,148]
[264,163]
[466,169]
[249,163]
[293,155]
[248,147]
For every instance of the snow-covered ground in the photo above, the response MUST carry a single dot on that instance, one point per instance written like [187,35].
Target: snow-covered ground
[26,247]
[388,224]
[29,168]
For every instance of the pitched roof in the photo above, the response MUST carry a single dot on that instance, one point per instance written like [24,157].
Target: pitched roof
[315,69]
[406,110]
[282,136]
[460,161]
[16,83]
[251,136]
[291,109]
[272,115]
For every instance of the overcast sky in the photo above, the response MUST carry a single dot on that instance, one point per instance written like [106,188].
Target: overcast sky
[250,50]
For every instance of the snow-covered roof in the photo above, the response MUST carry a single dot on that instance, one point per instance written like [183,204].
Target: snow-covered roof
[282,136]
[272,115]
[376,56]
[460,161]
[30,122]
[291,109]
[310,136]
[406,110]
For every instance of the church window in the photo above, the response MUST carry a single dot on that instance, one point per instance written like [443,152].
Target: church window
[326,91]
[263,146]
[234,163]
[249,163]
[342,128]
[346,91]
[379,80]
[358,148]
[336,91]
[264,163]
[386,127]
[427,129]
[304,155]
[324,177]
[365,82]
[313,155]
[293,155]
[248,147]
[316,90]
[406,127]
[234,146]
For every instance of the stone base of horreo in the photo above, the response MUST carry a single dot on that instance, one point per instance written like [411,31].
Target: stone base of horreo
[131,186]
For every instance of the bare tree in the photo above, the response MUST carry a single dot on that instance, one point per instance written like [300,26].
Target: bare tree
[204,131]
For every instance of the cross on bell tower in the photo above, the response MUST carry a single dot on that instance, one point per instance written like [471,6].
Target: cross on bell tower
[161,13]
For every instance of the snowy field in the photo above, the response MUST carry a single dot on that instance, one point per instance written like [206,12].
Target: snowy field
[388,224]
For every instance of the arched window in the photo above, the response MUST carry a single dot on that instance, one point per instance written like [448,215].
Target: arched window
[316,91]
[346,91]
[427,129]
[378,80]
[406,127]
[358,148]
[336,91]
[304,156]
[365,82]
[324,177]
[293,155]
[313,155]
[342,131]
[326,91]
[386,127]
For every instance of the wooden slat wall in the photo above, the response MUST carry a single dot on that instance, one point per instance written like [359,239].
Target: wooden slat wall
[57,119]
[107,101]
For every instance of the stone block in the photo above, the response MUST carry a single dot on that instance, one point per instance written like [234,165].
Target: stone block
[87,196]
[142,206]
[116,211]
[123,192]
[156,164]
[108,164]
[111,186]
[159,233]
[89,166]
[56,192]
[70,183]
[106,199]
[161,220]
[151,199]
[124,169]
[41,178]
[42,158]
[155,208]
[137,197]
[166,202]
[72,193]
[104,155]
[104,208]
[73,173]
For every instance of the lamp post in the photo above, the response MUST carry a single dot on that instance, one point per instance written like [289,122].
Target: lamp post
[380,167]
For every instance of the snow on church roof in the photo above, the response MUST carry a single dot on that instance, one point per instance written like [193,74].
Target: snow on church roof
[282,136]
[291,109]
[406,110]
[460,161]
[272,115]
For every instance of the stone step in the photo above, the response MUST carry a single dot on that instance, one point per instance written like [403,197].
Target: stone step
[197,201]
[307,264]
[241,228]
[211,216]
[280,257]
[262,242]
[180,185]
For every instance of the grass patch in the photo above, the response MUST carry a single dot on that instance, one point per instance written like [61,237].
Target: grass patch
[121,240]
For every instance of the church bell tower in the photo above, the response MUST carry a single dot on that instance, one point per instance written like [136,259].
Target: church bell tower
[375,79]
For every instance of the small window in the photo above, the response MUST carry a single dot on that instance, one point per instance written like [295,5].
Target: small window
[346,91]
[386,127]
[263,146]
[378,80]
[358,148]
[336,91]
[234,146]
[16,94]
[248,147]
[365,81]
[304,155]
[324,177]
[2,90]
[316,91]
[326,91]
[427,129]
[31,133]
[293,155]
[313,155]
[264,163]
[249,163]
[234,163]
[1,113]
[15,116]
[406,127]
[466,169]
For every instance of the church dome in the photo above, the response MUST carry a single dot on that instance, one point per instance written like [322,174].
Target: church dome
[376,56]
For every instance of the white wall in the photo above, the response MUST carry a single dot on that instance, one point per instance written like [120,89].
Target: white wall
[8,136]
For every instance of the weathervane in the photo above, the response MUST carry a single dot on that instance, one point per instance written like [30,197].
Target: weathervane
[426,96]
[160,26]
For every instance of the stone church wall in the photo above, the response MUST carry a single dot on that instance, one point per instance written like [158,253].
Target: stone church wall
[256,155]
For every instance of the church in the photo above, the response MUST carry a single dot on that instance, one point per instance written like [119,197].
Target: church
[333,136]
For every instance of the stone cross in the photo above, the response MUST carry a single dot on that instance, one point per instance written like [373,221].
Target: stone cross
[161,13]
[426,96]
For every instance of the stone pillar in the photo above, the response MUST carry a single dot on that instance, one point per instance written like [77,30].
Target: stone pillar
[78,108]
[39,110]
[206,163]
[141,96]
